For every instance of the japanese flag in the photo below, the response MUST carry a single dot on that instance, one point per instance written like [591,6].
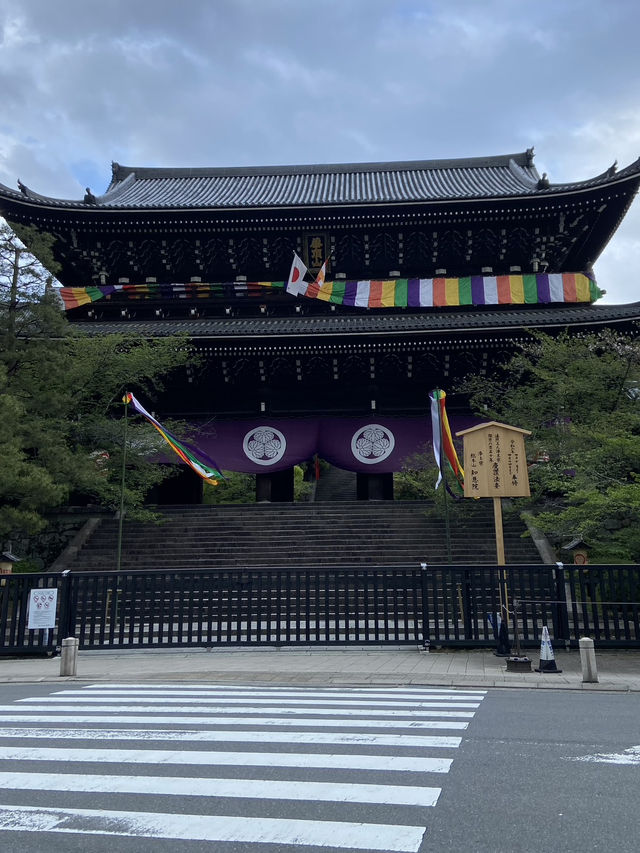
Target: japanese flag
[296,284]
[322,273]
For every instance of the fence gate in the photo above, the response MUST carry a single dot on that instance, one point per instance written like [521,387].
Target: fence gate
[446,605]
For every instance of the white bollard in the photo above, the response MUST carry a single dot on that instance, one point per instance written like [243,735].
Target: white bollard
[588,660]
[69,656]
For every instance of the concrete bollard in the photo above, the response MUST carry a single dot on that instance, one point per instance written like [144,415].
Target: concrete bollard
[69,656]
[588,660]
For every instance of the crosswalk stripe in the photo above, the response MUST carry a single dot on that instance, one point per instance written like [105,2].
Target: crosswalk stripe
[319,691]
[234,759]
[155,719]
[303,694]
[193,827]
[57,706]
[238,736]
[311,745]
[270,789]
[232,700]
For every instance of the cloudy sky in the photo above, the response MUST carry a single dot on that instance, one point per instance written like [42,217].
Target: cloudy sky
[255,82]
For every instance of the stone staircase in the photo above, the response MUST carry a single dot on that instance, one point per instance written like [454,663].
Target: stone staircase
[336,484]
[349,533]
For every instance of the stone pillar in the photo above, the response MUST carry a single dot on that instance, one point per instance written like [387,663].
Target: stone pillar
[588,660]
[69,656]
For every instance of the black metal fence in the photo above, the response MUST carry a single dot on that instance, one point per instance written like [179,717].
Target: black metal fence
[445,605]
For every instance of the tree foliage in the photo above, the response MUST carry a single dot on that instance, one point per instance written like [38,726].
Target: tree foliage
[60,398]
[579,397]
[238,488]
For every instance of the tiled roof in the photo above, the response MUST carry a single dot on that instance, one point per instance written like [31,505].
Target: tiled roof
[369,183]
[510,175]
[337,325]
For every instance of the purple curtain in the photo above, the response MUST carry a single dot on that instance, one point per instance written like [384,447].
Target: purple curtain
[368,445]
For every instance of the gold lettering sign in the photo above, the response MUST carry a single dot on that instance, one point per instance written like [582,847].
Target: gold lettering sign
[316,250]
[495,462]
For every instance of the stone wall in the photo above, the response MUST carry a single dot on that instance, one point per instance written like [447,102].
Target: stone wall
[39,551]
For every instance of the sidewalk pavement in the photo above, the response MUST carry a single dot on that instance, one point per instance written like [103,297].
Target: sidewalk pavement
[321,666]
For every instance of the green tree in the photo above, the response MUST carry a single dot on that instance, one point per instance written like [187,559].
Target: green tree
[60,397]
[579,397]
[238,488]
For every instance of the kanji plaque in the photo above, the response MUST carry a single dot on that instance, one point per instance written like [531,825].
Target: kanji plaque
[495,463]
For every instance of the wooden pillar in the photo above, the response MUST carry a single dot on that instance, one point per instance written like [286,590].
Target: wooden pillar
[276,486]
[503,589]
[374,487]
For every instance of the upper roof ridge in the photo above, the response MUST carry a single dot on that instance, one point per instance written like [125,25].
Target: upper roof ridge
[339,184]
[121,172]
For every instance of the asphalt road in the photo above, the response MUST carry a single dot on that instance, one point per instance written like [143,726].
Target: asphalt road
[179,768]
[528,777]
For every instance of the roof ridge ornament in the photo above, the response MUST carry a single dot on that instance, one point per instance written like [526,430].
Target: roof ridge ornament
[543,183]
[530,153]
[22,187]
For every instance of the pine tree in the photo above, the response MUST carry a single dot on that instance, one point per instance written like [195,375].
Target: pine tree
[60,397]
[579,395]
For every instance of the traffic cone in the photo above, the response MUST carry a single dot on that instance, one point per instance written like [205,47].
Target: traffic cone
[547,659]
[504,646]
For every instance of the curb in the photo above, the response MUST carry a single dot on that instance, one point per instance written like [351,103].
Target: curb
[352,681]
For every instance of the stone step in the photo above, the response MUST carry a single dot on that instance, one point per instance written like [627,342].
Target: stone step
[413,549]
[211,533]
[352,533]
[405,554]
[368,524]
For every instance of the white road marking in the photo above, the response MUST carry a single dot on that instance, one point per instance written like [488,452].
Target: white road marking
[154,719]
[112,696]
[233,759]
[319,691]
[275,694]
[194,827]
[333,792]
[236,736]
[202,706]
[213,715]
[629,756]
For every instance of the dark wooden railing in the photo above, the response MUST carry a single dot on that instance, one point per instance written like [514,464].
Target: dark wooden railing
[445,606]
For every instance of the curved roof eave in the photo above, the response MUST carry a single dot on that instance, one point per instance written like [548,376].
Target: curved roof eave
[346,326]
[514,164]
[146,172]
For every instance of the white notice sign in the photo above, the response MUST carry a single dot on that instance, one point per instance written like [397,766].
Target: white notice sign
[42,608]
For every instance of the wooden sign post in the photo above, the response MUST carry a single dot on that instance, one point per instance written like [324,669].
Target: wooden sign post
[495,466]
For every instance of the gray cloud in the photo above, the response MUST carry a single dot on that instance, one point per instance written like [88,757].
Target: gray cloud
[239,82]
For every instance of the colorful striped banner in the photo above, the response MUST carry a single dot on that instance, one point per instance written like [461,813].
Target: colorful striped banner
[533,289]
[72,297]
[443,446]
[196,459]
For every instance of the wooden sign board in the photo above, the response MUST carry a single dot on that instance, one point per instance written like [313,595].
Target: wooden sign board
[495,463]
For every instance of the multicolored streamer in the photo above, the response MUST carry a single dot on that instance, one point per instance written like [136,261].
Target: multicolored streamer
[196,459]
[534,289]
[443,447]
[73,297]
[451,292]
